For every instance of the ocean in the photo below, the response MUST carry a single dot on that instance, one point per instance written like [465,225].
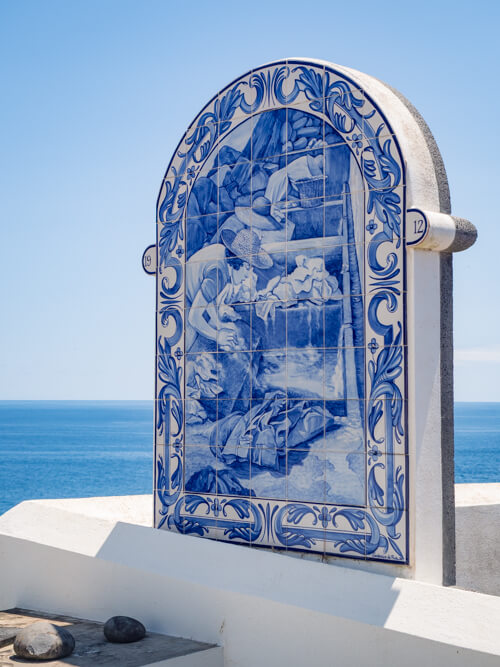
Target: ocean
[71,449]
[68,449]
[477,442]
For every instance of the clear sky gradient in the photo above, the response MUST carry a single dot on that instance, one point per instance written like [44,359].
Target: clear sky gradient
[96,95]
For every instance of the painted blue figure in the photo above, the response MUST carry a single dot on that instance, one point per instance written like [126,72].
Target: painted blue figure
[303,171]
[262,435]
[265,312]
[221,268]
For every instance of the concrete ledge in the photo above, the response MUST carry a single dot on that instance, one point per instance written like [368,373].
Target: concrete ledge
[255,603]
[77,524]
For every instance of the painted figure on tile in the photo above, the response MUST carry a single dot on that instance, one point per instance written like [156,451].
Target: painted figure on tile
[262,435]
[269,389]
[307,170]
[259,171]
[216,276]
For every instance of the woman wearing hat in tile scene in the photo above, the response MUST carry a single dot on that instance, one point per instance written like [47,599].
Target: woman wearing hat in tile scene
[267,211]
[223,270]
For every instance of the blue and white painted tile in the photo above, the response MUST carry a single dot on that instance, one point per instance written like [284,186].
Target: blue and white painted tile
[269,373]
[344,373]
[305,373]
[345,478]
[344,430]
[161,451]
[278,309]
[374,127]
[386,425]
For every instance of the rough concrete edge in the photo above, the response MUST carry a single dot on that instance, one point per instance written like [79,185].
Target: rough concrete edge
[447,421]
[465,235]
[465,231]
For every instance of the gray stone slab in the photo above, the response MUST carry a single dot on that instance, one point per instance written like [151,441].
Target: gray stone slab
[91,646]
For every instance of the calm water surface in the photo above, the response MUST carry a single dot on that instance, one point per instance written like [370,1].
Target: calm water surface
[65,449]
[477,442]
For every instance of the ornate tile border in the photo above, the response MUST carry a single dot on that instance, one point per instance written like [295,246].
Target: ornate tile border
[377,529]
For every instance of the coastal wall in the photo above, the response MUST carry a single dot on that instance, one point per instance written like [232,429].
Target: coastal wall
[75,556]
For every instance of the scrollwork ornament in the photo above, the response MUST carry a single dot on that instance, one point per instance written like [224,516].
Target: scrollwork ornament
[368,532]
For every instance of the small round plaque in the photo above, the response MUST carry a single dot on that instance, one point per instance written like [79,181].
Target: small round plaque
[149,260]
[417,226]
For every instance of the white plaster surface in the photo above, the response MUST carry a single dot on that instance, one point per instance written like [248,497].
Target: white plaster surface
[477,494]
[264,608]
[77,524]
[424,415]
[441,233]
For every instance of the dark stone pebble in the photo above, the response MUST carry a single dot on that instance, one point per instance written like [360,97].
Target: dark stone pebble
[123,629]
[43,641]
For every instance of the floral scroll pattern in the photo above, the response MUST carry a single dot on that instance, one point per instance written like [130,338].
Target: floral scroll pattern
[377,529]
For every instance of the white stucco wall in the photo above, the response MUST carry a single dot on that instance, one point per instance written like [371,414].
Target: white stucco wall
[424,414]
[264,608]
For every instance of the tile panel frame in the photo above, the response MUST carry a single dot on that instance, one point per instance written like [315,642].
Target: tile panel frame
[374,531]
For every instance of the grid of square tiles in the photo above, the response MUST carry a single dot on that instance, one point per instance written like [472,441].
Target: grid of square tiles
[247,356]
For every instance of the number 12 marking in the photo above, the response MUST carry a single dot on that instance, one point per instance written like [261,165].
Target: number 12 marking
[418,226]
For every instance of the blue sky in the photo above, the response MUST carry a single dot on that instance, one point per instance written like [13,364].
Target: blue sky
[96,95]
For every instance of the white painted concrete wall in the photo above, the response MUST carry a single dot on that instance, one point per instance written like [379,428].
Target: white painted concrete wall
[424,416]
[264,608]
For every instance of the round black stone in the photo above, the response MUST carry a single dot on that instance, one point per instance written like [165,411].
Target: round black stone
[43,641]
[123,629]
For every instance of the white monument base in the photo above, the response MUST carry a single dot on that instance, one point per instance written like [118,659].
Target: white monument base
[98,557]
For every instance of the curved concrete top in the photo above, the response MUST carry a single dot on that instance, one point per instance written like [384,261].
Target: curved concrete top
[427,186]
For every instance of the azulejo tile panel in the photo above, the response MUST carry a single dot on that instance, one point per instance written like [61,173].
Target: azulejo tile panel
[281,364]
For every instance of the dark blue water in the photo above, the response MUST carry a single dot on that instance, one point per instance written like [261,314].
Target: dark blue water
[65,449]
